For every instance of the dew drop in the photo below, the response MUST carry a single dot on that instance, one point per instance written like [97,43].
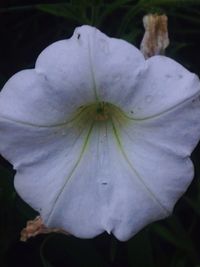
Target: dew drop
[148,98]
[117,77]
[63,133]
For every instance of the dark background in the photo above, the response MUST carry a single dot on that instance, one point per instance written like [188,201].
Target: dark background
[26,28]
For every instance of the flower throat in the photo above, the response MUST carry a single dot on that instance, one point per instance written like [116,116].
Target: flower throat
[100,112]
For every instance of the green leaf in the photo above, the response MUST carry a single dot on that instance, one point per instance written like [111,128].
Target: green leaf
[195,205]
[175,234]
[108,9]
[58,249]
[171,3]
[64,10]
[191,18]
[140,250]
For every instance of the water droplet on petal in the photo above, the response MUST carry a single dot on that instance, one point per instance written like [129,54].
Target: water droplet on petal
[63,133]
[117,77]
[148,98]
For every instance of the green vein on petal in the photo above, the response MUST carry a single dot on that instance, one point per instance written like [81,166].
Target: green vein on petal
[75,117]
[123,152]
[73,169]
[161,113]
[92,74]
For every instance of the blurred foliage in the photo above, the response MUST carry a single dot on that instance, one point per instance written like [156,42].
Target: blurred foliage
[25,29]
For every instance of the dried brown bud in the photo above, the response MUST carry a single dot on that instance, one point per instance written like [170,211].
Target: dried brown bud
[155,39]
[36,227]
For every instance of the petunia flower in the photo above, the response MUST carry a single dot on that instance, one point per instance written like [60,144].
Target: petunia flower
[100,137]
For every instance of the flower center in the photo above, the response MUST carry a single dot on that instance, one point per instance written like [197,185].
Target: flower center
[99,112]
[102,112]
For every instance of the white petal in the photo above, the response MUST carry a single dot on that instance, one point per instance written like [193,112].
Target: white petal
[67,66]
[176,131]
[122,77]
[29,98]
[158,149]
[116,65]
[103,193]
[82,183]
[164,173]
[164,85]
[61,82]
[43,158]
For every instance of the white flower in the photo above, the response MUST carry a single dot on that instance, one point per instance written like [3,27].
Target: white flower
[99,137]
